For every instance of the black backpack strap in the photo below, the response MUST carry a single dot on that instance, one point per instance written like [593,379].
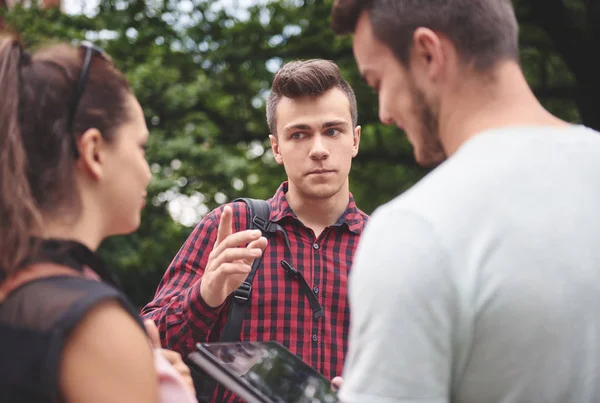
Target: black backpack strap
[259,217]
[259,214]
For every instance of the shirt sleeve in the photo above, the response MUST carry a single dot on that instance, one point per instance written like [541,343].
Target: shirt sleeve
[403,309]
[180,313]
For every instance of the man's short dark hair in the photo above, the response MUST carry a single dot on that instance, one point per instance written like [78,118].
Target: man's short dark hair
[483,31]
[307,78]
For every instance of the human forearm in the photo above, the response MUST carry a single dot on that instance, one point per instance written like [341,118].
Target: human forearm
[183,319]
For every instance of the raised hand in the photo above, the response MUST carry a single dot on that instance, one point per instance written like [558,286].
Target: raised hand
[230,260]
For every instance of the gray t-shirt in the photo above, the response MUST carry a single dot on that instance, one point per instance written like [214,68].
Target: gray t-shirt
[481,284]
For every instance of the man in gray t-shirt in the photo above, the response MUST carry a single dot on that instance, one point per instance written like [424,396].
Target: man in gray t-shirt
[481,284]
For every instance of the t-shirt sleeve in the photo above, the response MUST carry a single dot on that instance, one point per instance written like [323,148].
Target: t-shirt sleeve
[403,310]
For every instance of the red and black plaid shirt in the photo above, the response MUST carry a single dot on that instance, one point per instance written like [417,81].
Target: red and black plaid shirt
[278,309]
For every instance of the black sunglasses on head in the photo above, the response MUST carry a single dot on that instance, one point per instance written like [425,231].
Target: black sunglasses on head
[90,52]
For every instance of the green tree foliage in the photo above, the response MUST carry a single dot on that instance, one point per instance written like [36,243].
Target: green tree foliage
[202,71]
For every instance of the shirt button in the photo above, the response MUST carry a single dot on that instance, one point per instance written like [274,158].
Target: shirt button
[316,246]
[316,290]
[314,337]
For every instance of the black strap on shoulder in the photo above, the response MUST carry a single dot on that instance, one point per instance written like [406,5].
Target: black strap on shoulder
[259,214]
[259,217]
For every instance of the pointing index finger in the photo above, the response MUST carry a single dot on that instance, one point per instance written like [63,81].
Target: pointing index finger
[225,225]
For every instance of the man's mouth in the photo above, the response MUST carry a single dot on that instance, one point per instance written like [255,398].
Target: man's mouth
[321,171]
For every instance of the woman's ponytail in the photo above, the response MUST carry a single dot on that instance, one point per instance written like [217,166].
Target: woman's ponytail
[19,215]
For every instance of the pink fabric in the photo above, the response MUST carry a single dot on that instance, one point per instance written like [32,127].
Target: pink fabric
[91,274]
[172,388]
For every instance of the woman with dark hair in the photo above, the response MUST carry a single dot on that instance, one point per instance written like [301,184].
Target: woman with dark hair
[72,172]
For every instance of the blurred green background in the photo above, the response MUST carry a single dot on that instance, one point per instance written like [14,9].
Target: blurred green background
[202,69]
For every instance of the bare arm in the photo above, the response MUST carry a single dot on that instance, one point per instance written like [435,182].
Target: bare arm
[107,358]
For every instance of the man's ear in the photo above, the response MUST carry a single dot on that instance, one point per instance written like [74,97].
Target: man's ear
[275,148]
[427,53]
[92,147]
[356,140]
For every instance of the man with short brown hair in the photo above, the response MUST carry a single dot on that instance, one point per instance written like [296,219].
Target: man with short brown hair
[480,283]
[312,117]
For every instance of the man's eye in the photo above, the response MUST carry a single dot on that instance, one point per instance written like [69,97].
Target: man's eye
[332,132]
[297,136]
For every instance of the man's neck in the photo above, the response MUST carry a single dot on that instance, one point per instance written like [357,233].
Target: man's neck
[480,105]
[318,213]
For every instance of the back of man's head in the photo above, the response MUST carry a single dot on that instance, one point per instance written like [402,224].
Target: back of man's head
[303,78]
[484,32]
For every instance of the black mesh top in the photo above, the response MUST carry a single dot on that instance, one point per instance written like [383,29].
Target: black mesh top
[37,318]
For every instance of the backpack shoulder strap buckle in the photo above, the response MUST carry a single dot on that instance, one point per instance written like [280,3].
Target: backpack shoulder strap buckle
[242,294]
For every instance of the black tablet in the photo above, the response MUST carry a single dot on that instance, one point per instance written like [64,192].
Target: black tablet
[263,372]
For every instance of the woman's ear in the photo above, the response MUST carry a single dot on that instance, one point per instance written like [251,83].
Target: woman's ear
[91,147]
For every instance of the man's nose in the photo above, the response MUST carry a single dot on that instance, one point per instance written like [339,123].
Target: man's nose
[319,150]
[385,117]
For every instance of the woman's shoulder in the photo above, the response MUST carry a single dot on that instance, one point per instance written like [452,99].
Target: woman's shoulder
[60,301]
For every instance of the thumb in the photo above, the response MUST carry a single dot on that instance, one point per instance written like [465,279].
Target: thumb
[337,382]
[153,334]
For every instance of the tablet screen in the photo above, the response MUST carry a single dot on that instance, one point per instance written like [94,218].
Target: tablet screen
[273,370]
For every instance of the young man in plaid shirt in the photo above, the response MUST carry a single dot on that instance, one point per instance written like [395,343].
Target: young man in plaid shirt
[312,118]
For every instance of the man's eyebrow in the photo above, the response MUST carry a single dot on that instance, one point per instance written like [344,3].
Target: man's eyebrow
[335,123]
[298,126]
